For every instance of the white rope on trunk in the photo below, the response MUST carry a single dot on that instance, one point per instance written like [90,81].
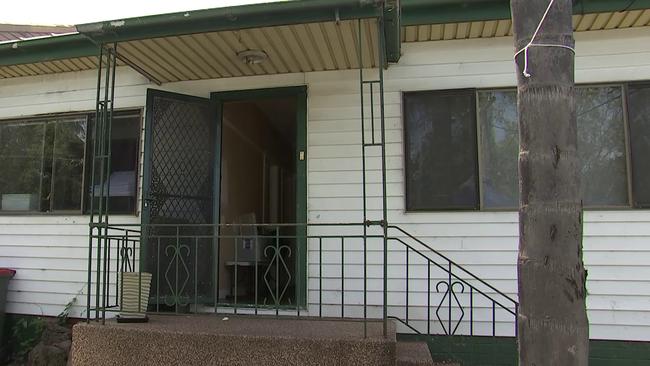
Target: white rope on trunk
[533,44]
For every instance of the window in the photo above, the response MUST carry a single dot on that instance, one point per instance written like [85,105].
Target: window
[602,145]
[45,162]
[499,130]
[638,102]
[123,179]
[441,150]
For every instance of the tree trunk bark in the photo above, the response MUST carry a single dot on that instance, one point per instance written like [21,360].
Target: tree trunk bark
[552,321]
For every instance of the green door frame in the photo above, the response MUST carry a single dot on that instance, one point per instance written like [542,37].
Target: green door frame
[300,93]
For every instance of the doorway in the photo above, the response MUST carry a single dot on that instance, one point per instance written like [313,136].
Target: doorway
[224,199]
[262,197]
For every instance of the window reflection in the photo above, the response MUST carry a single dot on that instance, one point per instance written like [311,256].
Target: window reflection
[441,150]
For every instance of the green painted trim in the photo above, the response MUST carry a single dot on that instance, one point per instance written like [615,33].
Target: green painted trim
[393,30]
[301,190]
[300,93]
[229,18]
[46,49]
[420,12]
[502,351]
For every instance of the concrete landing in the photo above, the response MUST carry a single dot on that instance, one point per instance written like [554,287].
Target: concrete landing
[209,340]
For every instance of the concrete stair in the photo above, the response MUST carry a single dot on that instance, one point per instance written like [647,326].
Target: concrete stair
[216,340]
[212,340]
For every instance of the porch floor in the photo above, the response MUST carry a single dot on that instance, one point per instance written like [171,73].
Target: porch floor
[240,340]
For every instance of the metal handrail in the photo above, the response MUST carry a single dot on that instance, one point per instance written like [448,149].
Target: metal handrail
[451,262]
[450,293]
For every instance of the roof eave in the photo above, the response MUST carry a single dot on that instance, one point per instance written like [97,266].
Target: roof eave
[422,12]
[230,18]
[46,49]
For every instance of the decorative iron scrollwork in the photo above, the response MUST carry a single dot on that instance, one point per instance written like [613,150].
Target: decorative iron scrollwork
[450,293]
[278,262]
[177,258]
[127,258]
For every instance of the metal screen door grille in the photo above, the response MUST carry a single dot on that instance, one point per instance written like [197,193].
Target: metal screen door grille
[181,153]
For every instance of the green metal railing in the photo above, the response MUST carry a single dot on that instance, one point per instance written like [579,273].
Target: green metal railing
[413,277]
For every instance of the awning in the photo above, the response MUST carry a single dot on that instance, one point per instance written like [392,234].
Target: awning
[297,36]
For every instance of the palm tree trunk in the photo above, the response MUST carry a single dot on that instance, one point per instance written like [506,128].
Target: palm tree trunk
[552,320]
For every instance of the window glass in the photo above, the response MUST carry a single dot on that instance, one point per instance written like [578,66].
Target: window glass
[638,102]
[68,163]
[601,145]
[122,181]
[441,156]
[497,118]
[46,163]
[21,163]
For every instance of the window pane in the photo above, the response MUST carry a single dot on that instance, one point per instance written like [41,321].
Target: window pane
[497,118]
[601,146]
[21,155]
[67,166]
[125,139]
[440,137]
[639,119]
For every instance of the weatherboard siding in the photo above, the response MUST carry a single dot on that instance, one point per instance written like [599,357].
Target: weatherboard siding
[50,251]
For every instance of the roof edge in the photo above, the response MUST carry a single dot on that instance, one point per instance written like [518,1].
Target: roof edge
[46,49]
[423,12]
[230,18]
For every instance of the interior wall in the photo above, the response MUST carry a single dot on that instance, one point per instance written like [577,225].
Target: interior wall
[249,146]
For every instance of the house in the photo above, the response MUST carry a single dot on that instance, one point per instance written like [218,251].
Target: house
[341,159]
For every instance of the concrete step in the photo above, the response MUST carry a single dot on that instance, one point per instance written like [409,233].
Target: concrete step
[212,340]
[416,354]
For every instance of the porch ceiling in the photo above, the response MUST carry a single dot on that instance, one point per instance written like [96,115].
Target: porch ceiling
[290,48]
[503,27]
[49,67]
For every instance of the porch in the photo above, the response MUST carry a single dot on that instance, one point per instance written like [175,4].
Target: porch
[192,253]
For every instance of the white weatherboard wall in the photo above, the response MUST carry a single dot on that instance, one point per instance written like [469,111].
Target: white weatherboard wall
[49,251]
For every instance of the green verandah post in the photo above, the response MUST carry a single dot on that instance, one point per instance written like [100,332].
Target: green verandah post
[382,64]
[101,158]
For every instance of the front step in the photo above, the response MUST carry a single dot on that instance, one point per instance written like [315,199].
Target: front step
[416,354]
[211,340]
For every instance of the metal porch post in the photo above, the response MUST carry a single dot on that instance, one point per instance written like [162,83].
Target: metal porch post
[100,171]
[367,143]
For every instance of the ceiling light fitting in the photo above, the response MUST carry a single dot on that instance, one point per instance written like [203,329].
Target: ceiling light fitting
[252,57]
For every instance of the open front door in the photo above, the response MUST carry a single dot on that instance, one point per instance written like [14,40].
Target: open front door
[179,209]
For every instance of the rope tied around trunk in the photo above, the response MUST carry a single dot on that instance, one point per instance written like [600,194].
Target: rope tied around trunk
[533,44]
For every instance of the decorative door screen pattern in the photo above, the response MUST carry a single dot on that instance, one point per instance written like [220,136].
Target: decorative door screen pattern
[180,192]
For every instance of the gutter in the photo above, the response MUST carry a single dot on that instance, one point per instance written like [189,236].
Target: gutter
[230,18]
[46,49]
[421,12]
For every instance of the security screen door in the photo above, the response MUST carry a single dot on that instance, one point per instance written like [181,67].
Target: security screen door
[178,208]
